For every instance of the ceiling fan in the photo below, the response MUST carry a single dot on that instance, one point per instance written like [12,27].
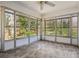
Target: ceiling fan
[47,3]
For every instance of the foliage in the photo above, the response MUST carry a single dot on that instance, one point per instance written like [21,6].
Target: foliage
[61,29]
[23,24]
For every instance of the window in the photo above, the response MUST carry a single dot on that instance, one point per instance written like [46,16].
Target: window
[65,27]
[21,26]
[59,28]
[50,27]
[74,27]
[9,25]
[33,27]
[53,25]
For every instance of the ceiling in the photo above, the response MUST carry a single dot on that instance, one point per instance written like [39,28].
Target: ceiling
[59,5]
[34,7]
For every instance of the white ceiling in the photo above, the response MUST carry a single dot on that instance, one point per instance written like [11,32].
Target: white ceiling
[34,6]
[59,5]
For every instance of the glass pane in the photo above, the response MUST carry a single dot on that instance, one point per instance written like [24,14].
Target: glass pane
[53,25]
[65,27]
[74,21]
[21,30]
[59,28]
[65,32]
[59,24]
[21,27]
[9,26]
[48,23]
[74,27]
[74,33]
[9,30]
[74,30]
[33,29]
[49,27]
[50,30]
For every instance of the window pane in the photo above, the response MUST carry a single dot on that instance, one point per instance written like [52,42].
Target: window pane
[74,27]
[49,23]
[74,30]
[59,28]
[65,27]
[65,32]
[21,26]
[59,24]
[74,21]
[33,27]
[53,27]
[48,27]
[9,26]
[50,30]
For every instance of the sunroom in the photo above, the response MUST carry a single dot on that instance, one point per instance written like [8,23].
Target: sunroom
[39,23]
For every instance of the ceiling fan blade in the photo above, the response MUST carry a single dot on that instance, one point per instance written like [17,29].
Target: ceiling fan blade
[49,3]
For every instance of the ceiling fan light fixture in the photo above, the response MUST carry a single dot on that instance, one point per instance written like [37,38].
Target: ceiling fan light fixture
[50,3]
[47,3]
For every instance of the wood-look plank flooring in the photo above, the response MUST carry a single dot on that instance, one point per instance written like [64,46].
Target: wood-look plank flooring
[43,49]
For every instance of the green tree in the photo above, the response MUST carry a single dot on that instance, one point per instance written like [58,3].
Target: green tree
[23,24]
